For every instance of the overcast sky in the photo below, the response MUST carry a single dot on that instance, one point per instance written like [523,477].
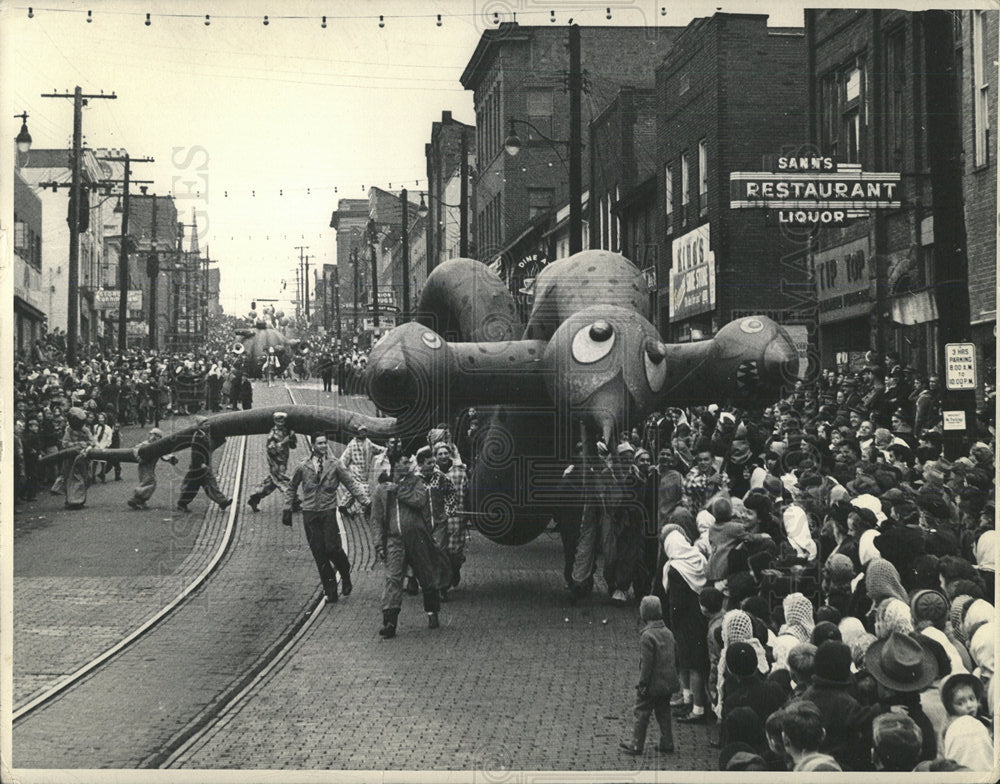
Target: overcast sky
[277,116]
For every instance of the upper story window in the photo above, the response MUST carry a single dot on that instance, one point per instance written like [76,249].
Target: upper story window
[540,109]
[703,178]
[685,189]
[895,138]
[539,201]
[980,89]
[668,197]
[844,111]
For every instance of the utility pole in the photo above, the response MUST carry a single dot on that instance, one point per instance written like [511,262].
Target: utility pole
[951,260]
[123,253]
[73,302]
[336,300]
[575,143]
[463,200]
[406,257]
[371,245]
[304,272]
[354,261]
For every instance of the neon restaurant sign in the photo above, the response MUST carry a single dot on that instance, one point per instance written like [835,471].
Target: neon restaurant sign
[815,190]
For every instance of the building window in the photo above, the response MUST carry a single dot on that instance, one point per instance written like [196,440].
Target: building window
[668,197]
[702,178]
[830,115]
[685,189]
[981,89]
[20,234]
[540,110]
[896,89]
[851,123]
[539,201]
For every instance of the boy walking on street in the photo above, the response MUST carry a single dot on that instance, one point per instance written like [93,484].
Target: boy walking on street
[657,679]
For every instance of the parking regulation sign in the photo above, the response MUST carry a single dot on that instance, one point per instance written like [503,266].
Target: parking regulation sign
[960,366]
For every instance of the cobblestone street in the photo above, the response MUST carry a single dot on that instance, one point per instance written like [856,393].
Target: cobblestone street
[516,678]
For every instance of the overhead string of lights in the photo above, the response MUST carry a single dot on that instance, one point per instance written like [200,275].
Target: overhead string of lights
[495,17]
[228,193]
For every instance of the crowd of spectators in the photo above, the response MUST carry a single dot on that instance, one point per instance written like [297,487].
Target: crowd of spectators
[827,572]
[139,387]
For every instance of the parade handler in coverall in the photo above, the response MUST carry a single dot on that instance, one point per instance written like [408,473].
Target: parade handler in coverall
[401,523]
[147,472]
[319,476]
[280,441]
[200,473]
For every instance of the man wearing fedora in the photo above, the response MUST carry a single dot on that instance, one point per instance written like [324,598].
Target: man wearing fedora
[903,667]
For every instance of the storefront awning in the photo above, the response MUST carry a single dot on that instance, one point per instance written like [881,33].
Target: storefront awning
[25,308]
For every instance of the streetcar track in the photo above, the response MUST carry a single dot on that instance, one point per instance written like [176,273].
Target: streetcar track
[256,675]
[126,642]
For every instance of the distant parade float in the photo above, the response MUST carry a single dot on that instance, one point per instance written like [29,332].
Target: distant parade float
[588,365]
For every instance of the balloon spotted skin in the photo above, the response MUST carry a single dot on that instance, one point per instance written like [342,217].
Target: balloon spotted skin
[591,277]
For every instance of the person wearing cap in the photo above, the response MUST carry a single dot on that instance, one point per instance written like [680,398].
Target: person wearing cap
[200,473]
[903,667]
[845,720]
[280,440]
[401,523]
[657,679]
[927,405]
[624,524]
[147,472]
[703,481]
[75,471]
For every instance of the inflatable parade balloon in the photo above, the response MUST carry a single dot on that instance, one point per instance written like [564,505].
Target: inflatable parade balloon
[587,366]
[256,343]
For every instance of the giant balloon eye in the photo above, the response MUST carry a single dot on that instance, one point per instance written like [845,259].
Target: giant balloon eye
[656,368]
[431,340]
[594,342]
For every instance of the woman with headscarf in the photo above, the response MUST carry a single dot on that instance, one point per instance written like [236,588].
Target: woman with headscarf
[724,537]
[795,521]
[683,579]
[986,560]
[881,581]
[737,626]
[799,620]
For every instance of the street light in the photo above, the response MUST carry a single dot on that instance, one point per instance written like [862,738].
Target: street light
[463,221]
[512,144]
[23,139]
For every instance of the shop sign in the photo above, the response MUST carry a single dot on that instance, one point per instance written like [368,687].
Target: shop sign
[649,274]
[387,297]
[692,274]
[842,281]
[385,321]
[960,366]
[815,190]
[108,299]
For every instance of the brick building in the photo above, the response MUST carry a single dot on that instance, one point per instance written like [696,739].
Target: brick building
[520,72]
[29,298]
[623,179]
[871,103]
[54,166]
[451,141]
[350,219]
[977,41]
[731,96]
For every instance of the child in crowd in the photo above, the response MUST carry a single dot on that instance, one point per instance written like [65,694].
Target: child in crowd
[966,735]
[657,679]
